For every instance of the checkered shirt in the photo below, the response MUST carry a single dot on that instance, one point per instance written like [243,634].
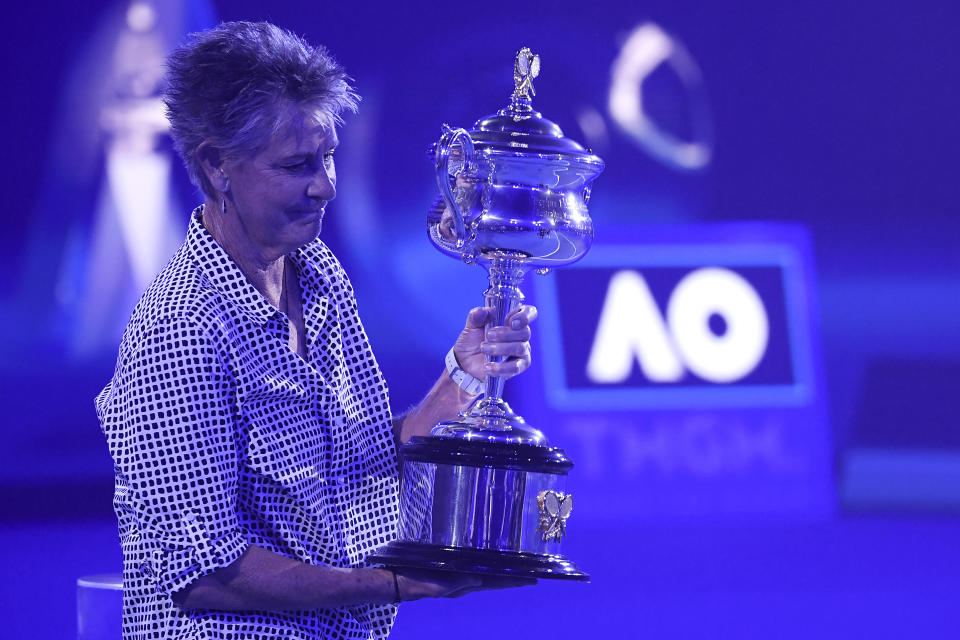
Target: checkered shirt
[222,437]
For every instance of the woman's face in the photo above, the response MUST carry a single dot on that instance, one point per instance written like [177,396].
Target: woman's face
[279,194]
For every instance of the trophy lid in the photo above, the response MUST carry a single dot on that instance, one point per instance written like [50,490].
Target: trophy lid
[519,130]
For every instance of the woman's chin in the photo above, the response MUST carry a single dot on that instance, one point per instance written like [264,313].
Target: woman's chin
[298,234]
[308,226]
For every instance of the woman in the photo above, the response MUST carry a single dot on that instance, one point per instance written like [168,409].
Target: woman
[254,446]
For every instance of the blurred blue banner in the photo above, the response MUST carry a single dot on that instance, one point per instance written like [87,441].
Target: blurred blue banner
[680,367]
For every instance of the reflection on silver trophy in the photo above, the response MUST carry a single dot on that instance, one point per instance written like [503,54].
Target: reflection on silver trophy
[485,493]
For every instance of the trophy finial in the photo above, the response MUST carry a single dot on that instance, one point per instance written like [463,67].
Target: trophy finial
[526,67]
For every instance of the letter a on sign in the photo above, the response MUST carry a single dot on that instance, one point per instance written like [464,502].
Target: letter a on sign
[630,330]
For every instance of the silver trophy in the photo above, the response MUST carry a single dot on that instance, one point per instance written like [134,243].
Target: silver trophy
[486,493]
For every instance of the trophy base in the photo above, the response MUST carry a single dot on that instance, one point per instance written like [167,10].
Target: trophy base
[490,421]
[487,562]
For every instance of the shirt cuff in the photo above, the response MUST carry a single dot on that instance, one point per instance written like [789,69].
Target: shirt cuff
[179,561]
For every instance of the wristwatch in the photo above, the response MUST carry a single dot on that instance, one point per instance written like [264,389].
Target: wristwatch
[464,380]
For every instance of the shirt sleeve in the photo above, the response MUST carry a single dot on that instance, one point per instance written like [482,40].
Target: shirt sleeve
[174,442]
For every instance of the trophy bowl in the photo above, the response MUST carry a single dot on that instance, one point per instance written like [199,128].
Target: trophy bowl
[485,493]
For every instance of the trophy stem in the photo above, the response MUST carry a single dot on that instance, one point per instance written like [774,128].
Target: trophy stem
[506,270]
[490,418]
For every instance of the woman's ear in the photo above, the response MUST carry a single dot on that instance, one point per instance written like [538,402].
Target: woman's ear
[212,163]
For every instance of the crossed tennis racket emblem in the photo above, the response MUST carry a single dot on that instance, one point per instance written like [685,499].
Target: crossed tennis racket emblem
[554,508]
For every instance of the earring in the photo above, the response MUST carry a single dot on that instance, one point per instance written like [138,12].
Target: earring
[223,205]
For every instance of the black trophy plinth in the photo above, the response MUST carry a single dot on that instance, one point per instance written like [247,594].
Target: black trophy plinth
[481,507]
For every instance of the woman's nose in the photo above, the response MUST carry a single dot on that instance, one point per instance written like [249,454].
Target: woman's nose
[323,185]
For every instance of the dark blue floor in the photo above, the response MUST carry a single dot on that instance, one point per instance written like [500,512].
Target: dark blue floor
[854,577]
[851,578]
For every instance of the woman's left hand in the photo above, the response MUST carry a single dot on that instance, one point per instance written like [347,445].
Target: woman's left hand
[511,341]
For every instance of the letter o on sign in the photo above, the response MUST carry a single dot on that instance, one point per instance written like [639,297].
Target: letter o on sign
[723,356]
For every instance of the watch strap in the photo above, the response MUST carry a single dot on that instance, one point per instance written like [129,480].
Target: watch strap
[464,380]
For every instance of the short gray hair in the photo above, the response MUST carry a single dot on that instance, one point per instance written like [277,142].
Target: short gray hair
[230,86]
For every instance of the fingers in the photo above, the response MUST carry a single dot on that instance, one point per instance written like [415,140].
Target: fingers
[516,358]
[510,344]
[519,349]
[518,319]
[507,368]
[415,584]
[501,351]
[516,329]
[521,317]
[478,317]
[503,334]
[491,583]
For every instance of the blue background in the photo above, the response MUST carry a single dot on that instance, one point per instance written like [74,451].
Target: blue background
[839,117]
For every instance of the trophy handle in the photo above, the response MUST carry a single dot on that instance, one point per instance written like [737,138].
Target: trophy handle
[449,138]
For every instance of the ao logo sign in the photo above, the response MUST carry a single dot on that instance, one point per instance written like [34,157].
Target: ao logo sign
[715,326]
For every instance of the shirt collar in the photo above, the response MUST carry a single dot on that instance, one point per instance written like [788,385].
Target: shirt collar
[225,275]
[310,270]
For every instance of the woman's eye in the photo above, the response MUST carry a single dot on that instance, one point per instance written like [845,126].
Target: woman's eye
[296,166]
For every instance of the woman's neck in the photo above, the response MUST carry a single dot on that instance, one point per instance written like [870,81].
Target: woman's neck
[264,270]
